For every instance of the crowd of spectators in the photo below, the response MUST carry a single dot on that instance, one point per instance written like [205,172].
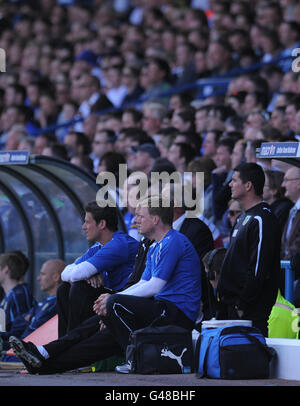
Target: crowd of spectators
[185,86]
[102,83]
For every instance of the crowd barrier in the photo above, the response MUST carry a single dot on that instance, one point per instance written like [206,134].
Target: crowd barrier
[288,280]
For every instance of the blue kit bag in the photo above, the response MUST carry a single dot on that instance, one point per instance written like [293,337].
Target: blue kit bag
[233,352]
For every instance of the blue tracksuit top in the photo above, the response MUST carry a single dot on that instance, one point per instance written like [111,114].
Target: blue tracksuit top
[175,260]
[114,260]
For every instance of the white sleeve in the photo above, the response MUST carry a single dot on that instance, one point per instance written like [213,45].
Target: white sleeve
[131,288]
[82,271]
[147,288]
[66,273]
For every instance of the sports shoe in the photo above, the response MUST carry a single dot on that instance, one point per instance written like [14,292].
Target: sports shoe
[124,369]
[27,353]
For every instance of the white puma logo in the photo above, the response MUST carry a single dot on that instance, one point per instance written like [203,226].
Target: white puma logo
[165,352]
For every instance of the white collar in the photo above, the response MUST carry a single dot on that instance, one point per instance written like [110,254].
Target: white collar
[297,204]
[178,222]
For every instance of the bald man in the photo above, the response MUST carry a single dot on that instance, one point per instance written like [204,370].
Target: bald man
[50,276]
[49,279]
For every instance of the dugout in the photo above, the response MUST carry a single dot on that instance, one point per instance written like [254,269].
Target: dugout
[42,202]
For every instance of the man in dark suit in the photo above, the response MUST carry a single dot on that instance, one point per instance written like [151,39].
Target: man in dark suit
[291,233]
[198,233]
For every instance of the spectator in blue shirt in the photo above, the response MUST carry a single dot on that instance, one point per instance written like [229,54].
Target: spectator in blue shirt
[105,267]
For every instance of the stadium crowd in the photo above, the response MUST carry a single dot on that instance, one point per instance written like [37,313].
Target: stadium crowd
[90,81]
[103,83]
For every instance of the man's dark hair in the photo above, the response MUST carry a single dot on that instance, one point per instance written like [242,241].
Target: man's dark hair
[252,172]
[111,135]
[271,133]
[275,179]
[293,26]
[112,161]
[20,89]
[109,214]
[188,115]
[213,260]
[186,151]
[218,134]
[23,258]
[295,101]
[157,207]
[227,142]
[136,114]
[162,64]
[82,139]
[59,151]
[137,134]
[162,164]
[14,264]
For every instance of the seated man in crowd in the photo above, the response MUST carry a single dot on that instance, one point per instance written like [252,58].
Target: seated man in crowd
[18,298]
[106,266]
[170,286]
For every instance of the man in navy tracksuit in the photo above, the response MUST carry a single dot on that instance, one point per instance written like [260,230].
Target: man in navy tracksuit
[18,297]
[250,273]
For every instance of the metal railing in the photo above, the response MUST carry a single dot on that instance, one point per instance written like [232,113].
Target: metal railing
[288,280]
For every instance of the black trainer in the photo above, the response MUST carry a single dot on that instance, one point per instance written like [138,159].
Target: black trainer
[28,354]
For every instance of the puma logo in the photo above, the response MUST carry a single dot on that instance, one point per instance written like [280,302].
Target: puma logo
[165,352]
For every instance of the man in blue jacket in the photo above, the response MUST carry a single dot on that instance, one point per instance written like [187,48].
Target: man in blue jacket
[105,267]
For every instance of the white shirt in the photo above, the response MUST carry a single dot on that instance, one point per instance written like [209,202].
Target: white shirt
[289,227]
[85,107]
[178,222]
[117,95]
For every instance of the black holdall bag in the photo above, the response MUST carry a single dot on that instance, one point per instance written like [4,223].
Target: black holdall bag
[160,350]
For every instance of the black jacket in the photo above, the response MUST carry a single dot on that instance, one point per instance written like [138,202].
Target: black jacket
[281,209]
[201,237]
[140,262]
[199,234]
[250,274]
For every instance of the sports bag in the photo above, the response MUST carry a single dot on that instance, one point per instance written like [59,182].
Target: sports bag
[233,352]
[160,350]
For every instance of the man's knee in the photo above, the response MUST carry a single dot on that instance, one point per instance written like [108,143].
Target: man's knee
[111,302]
[78,288]
[63,290]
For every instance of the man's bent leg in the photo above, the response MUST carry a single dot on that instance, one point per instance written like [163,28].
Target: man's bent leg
[62,304]
[127,313]
[81,300]
[97,347]
[85,330]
